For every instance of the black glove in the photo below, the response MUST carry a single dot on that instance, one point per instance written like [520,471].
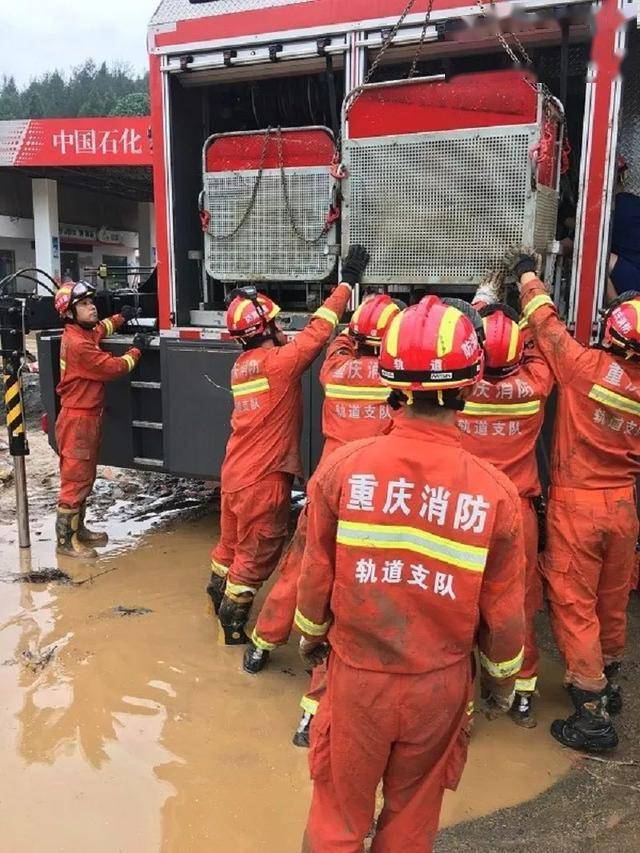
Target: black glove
[524,263]
[142,340]
[128,312]
[355,264]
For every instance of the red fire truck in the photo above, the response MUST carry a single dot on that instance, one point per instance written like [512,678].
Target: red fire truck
[436,134]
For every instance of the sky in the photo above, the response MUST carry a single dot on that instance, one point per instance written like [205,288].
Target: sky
[42,35]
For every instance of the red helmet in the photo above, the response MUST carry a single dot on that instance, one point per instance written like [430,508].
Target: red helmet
[433,346]
[247,318]
[622,324]
[371,320]
[70,294]
[503,340]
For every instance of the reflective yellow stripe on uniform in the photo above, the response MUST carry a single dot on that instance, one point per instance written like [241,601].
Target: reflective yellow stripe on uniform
[350,392]
[535,303]
[239,589]
[523,324]
[131,362]
[328,315]
[63,365]
[309,627]
[219,569]
[259,643]
[108,327]
[616,401]
[471,708]
[526,685]
[514,410]
[309,705]
[254,386]
[357,535]
[505,669]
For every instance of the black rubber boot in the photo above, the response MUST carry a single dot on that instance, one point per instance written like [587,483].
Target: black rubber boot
[522,712]
[233,617]
[301,737]
[255,659]
[614,691]
[589,729]
[215,590]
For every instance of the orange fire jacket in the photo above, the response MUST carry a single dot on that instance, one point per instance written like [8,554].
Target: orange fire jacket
[267,393]
[355,404]
[84,367]
[597,427]
[415,553]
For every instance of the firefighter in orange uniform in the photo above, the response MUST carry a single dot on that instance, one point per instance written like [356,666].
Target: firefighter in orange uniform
[84,369]
[592,523]
[414,556]
[263,452]
[355,407]
[501,423]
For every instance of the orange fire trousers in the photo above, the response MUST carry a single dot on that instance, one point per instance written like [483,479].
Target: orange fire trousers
[253,530]
[588,569]
[410,731]
[528,675]
[78,435]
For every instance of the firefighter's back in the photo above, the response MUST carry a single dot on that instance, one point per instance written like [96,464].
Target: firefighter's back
[418,520]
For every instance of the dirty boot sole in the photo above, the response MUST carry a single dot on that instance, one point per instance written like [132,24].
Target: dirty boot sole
[524,719]
[255,660]
[301,739]
[84,553]
[522,712]
[568,735]
[92,539]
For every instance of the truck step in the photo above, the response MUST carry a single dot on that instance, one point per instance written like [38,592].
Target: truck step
[147,424]
[149,463]
[156,386]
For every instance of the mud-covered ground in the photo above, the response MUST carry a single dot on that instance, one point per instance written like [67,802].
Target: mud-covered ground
[125,725]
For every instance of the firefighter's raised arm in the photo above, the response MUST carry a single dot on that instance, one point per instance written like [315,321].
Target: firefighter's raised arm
[563,353]
[307,346]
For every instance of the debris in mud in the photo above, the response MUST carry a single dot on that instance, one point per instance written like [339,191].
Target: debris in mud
[44,575]
[37,660]
[6,476]
[123,611]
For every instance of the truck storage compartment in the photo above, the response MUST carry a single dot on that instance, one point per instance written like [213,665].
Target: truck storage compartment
[199,110]
[198,406]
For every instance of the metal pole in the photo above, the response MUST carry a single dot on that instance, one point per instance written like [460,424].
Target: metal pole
[22,501]
[12,332]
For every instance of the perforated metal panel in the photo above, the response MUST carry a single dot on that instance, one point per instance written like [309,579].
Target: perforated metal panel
[546,218]
[266,247]
[439,207]
[629,144]
[181,10]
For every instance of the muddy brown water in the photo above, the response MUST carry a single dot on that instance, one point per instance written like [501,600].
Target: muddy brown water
[125,732]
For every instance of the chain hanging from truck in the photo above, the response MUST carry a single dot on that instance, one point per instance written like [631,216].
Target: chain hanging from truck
[205,216]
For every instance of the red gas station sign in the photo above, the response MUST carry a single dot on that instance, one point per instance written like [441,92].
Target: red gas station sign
[118,141]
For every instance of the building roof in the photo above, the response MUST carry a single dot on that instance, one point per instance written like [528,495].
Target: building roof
[133,183]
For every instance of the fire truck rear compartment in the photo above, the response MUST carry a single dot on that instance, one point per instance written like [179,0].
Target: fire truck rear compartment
[200,108]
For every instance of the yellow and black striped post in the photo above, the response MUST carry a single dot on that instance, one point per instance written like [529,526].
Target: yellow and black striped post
[12,327]
[15,414]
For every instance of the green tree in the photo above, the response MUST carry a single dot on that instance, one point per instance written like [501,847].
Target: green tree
[88,90]
[9,99]
[133,104]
